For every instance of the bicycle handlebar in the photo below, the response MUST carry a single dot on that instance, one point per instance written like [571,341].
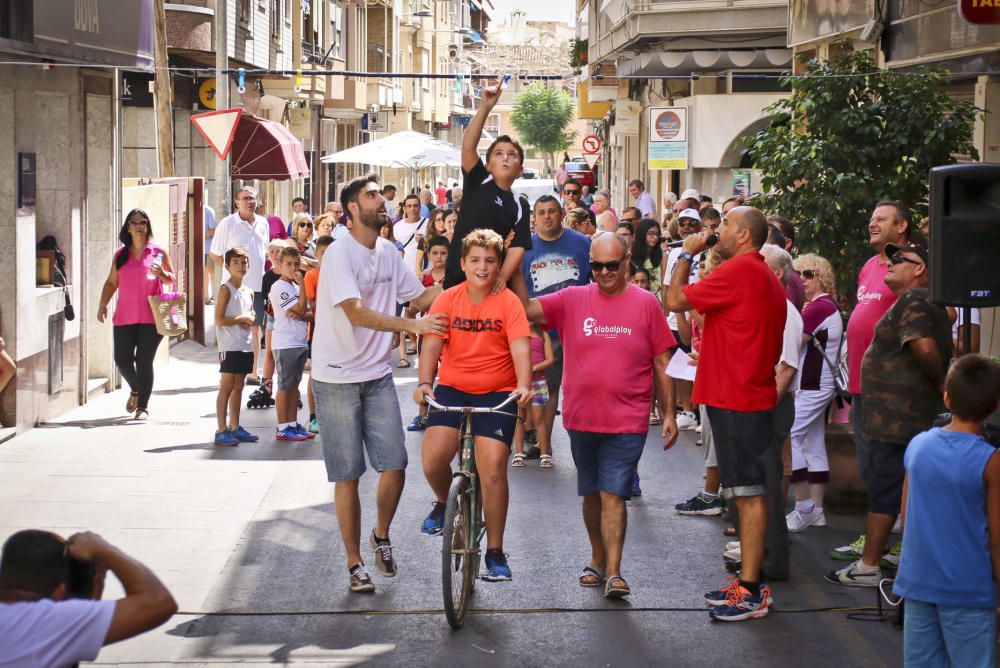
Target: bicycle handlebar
[472,409]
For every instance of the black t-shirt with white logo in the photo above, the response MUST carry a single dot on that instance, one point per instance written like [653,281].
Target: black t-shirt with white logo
[485,205]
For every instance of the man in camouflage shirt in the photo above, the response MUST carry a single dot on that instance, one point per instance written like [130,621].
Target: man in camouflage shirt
[902,378]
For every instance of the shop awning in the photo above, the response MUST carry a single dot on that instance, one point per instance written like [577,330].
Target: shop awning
[266,151]
[673,63]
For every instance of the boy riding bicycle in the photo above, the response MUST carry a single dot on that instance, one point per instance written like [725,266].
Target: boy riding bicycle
[485,356]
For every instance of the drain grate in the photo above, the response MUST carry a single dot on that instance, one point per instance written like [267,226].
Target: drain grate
[165,423]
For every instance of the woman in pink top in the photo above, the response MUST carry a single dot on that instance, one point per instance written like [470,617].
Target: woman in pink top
[140,269]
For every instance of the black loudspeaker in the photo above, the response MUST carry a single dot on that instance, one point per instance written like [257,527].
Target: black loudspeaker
[965,235]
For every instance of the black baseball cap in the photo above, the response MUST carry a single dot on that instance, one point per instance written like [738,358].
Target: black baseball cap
[915,246]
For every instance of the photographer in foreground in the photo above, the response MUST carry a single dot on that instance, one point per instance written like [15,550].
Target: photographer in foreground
[50,590]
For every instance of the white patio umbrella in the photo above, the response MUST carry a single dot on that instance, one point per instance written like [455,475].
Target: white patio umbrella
[402,150]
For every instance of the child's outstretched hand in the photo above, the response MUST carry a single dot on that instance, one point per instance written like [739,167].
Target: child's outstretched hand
[491,94]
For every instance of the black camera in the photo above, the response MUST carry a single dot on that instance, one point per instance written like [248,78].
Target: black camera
[79,578]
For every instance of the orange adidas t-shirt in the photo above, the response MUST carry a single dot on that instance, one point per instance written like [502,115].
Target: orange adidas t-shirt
[310,283]
[476,357]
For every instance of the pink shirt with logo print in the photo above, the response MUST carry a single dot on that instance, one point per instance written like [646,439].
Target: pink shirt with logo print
[608,348]
[874,299]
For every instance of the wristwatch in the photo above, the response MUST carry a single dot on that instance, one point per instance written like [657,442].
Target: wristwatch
[686,256]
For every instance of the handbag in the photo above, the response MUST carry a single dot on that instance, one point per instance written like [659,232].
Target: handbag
[169,313]
[68,312]
[838,371]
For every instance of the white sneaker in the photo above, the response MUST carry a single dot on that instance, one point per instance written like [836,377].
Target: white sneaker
[686,421]
[798,521]
[733,545]
[697,429]
[897,527]
[733,555]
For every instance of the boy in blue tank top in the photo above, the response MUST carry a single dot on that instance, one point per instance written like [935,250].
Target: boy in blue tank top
[950,564]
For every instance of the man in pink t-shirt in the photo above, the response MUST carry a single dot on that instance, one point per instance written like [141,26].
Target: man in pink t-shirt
[609,324]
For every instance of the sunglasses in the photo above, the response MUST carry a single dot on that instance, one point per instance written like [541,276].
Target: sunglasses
[138,222]
[687,222]
[899,258]
[599,267]
[808,273]
[571,192]
[309,225]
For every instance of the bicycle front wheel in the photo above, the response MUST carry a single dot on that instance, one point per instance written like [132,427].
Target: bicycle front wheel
[459,552]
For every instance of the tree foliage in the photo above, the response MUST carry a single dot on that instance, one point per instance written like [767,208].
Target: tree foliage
[849,135]
[541,115]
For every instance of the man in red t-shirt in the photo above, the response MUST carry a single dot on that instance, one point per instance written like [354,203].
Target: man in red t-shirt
[608,324]
[744,308]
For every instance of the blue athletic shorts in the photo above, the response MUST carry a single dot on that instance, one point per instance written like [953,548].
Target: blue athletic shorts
[497,426]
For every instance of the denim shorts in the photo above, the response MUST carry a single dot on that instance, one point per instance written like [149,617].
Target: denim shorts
[885,477]
[605,462]
[490,425]
[742,442]
[289,363]
[259,308]
[355,417]
[944,635]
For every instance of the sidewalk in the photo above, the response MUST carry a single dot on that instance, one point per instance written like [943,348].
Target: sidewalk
[251,530]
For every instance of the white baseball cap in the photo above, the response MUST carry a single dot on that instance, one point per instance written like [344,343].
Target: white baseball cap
[689,213]
[690,192]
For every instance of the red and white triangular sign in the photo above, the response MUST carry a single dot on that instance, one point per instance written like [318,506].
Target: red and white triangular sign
[591,159]
[218,128]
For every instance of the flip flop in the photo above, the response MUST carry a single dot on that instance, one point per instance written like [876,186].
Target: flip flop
[616,587]
[594,576]
[404,363]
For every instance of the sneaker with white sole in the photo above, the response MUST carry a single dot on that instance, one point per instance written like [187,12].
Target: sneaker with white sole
[734,554]
[699,505]
[891,558]
[361,579]
[686,421]
[741,605]
[852,575]
[733,545]
[849,552]
[799,521]
[897,527]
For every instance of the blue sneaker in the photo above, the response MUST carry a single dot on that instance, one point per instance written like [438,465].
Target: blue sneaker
[434,523]
[741,605]
[636,490]
[497,569]
[226,438]
[302,430]
[717,597]
[419,423]
[243,436]
[289,434]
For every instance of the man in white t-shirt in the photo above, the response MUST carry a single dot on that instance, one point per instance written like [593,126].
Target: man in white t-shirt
[776,547]
[50,608]
[363,281]
[688,223]
[409,230]
[248,229]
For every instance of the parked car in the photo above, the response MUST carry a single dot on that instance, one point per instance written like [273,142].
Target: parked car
[529,173]
[581,172]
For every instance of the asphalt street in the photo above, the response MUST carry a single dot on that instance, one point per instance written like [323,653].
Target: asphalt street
[247,539]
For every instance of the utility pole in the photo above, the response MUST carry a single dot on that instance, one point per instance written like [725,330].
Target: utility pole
[222,187]
[164,112]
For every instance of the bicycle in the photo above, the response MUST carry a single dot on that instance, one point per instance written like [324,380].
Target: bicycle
[464,526]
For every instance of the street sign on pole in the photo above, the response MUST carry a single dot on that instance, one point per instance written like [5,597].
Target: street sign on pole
[591,144]
[592,159]
[218,128]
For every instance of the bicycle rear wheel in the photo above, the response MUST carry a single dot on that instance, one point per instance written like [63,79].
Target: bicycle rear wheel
[459,552]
